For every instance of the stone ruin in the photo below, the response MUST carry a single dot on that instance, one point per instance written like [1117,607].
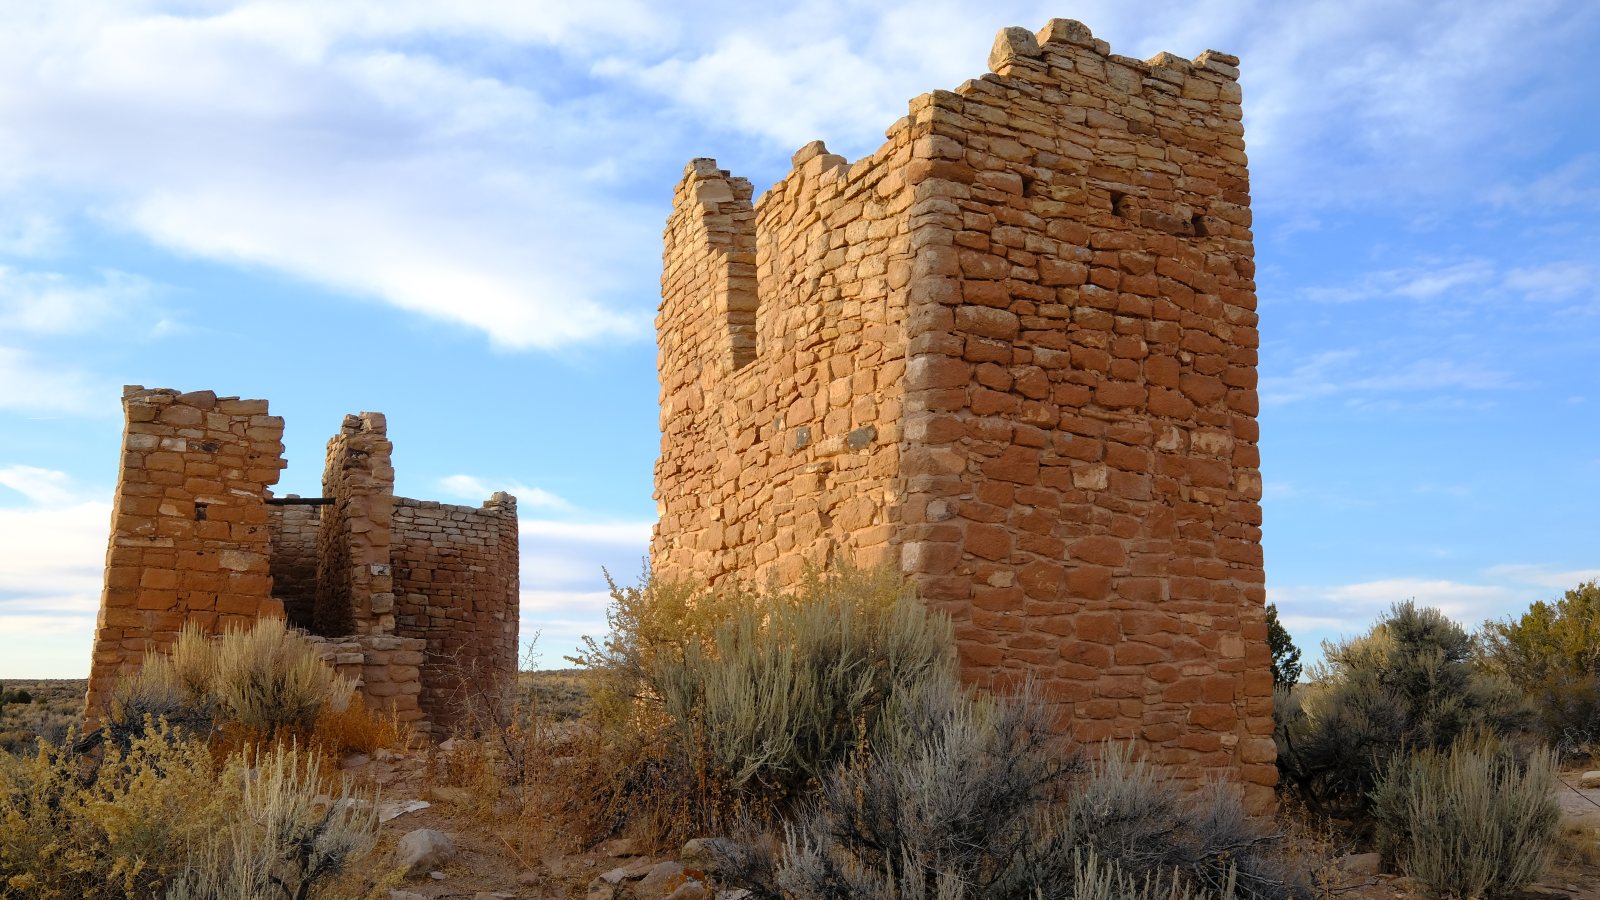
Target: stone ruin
[1014,352]
[415,601]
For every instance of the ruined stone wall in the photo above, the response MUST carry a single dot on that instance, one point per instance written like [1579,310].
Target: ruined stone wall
[782,358]
[387,670]
[194,538]
[1076,478]
[456,592]
[189,525]
[354,588]
[294,531]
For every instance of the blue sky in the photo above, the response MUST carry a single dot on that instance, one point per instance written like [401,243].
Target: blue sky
[451,213]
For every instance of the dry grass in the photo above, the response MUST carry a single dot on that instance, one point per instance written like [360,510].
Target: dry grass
[57,705]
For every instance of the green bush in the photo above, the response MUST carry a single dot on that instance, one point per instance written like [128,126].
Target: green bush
[712,704]
[972,797]
[1471,821]
[1552,653]
[1409,684]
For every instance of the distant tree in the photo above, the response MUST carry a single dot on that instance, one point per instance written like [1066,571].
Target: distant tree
[1552,653]
[1409,684]
[21,697]
[1285,655]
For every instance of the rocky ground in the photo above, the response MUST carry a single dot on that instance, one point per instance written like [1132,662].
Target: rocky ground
[484,866]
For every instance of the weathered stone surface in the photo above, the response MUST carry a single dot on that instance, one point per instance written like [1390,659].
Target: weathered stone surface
[194,485]
[1039,296]
[423,849]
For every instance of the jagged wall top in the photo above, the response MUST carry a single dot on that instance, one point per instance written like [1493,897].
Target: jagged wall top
[1016,52]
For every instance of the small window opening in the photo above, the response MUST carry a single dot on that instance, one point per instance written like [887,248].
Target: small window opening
[1119,204]
[1198,223]
[1027,186]
[199,512]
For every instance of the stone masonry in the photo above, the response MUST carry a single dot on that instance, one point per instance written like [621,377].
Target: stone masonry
[1013,351]
[198,537]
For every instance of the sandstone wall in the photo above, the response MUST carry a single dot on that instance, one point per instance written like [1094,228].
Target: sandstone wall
[1085,390]
[455,572]
[354,588]
[189,526]
[782,359]
[387,670]
[1074,476]
[294,531]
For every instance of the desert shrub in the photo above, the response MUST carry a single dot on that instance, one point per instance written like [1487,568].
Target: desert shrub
[1552,653]
[747,702]
[261,683]
[1470,821]
[165,814]
[114,830]
[972,797]
[1409,684]
[285,839]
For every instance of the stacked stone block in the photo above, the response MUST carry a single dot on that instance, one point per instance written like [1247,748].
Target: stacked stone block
[189,525]
[456,589]
[1066,257]
[388,670]
[194,539]
[294,530]
[355,592]
[781,425]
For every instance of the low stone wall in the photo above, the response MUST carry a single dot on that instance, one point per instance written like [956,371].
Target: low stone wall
[387,671]
[456,583]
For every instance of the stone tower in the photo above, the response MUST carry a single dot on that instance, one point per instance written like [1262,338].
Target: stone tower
[1014,352]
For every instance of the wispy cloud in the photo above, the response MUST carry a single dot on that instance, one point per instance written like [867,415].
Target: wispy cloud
[1358,379]
[471,487]
[35,386]
[45,486]
[302,138]
[52,303]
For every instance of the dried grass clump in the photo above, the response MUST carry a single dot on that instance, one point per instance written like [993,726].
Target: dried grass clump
[261,684]
[164,817]
[1470,821]
[711,706]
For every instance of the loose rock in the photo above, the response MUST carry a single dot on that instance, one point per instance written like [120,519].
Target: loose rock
[424,849]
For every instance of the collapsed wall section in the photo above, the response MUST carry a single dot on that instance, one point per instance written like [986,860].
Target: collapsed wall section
[189,536]
[1085,382]
[782,350]
[456,582]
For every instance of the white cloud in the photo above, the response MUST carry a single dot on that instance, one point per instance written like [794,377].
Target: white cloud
[1328,612]
[1544,576]
[471,487]
[1360,379]
[281,135]
[52,303]
[627,533]
[45,486]
[54,558]
[30,386]
[1554,281]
